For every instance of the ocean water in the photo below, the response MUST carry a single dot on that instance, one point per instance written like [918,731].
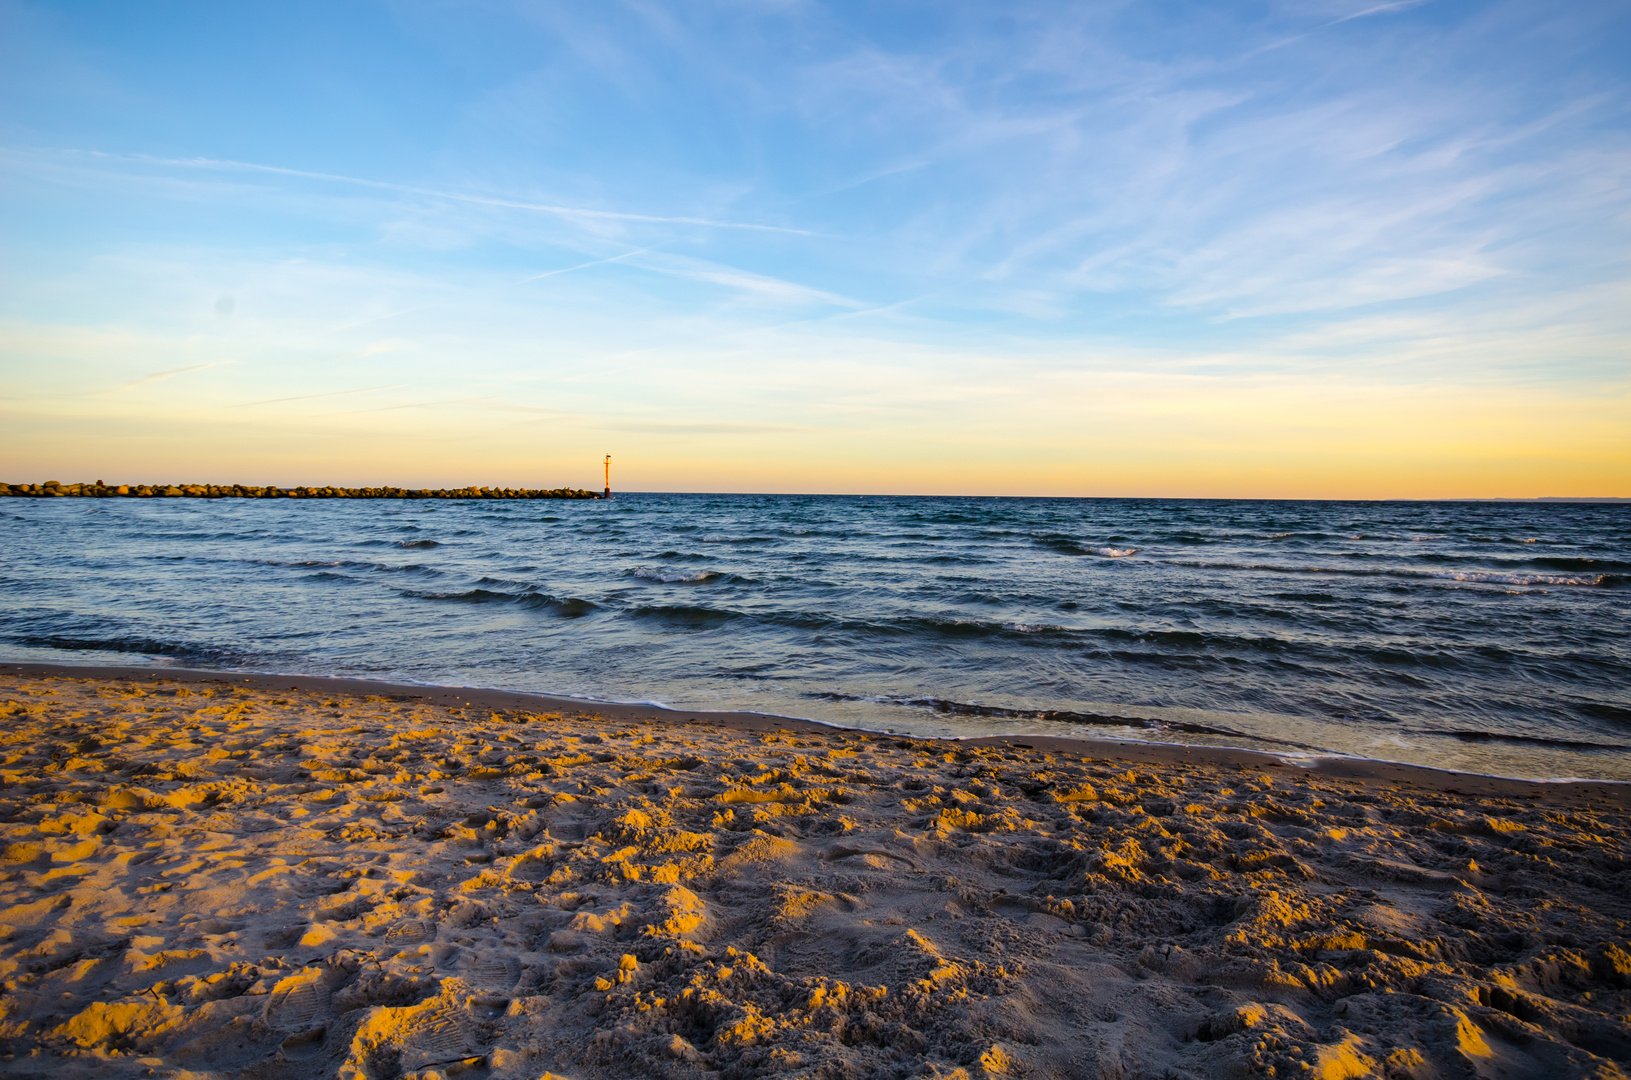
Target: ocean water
[1491,637]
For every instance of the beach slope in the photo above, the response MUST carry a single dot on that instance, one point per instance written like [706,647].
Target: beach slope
[237,876]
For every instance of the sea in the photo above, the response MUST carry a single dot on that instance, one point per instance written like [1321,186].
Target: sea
[1484,637]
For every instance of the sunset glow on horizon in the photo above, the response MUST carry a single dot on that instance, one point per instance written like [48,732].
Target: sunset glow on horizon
[1333,249]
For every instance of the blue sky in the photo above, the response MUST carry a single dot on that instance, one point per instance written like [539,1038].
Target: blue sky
[1323,248]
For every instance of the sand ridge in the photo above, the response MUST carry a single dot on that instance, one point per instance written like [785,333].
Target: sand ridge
[220,878]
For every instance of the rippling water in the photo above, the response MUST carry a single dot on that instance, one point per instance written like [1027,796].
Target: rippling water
[1490,637]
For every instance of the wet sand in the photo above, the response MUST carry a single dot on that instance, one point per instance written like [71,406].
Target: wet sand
[211,874]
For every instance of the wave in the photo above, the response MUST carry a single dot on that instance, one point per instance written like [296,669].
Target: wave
[469,596]
[1599,710]
[197,535]
[683,614]
[1174,648]
[1543,562]
[1555,562]
[1063,544]
[1068,546]
[570,607]
[941,626]
[932,626]
[1185,646]
[1530,740]
[418,543]
[1059,716]
[1605,581]
[341,564]
[675,577]
[1482,577]
[144,646]
[522,586]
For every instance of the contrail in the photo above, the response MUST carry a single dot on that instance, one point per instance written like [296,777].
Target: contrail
[581,266]
[454,196]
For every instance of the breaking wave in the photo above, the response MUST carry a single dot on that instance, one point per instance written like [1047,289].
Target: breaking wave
[670,576]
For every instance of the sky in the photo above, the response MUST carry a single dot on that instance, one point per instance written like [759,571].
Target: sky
[1295,248]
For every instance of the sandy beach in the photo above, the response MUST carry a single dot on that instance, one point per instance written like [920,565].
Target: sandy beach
[213,875]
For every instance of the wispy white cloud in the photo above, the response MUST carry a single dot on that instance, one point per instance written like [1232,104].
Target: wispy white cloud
[584,265]
[369,321]
[1210,185]
[722,427]
[761,286]
[160,376]
[579,213]
[325,394]
[1378,9]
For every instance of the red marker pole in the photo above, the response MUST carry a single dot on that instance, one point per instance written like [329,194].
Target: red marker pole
[608,493]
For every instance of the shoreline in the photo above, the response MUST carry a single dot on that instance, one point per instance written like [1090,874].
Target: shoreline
[1370,770]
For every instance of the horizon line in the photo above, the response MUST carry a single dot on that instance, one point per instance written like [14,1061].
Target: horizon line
[1600,499]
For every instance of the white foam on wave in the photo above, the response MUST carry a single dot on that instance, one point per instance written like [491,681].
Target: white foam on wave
[1116,553]
[673,577]
[1511,579]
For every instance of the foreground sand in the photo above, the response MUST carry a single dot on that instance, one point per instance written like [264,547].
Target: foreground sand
[227,878]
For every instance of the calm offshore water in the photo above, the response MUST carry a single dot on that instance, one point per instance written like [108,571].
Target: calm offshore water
[1488,637]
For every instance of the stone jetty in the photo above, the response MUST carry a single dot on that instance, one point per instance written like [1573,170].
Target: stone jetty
[99,490]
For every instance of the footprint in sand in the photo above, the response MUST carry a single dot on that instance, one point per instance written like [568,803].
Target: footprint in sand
[298,1002]
[409,933]
[492,972]
[439,1034]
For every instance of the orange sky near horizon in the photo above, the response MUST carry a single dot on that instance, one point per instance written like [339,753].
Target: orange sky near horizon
[1112,434]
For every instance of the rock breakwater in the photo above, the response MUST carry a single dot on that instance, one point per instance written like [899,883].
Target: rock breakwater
[99,490]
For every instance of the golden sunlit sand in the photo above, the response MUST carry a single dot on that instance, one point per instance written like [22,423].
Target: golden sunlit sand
[254,877]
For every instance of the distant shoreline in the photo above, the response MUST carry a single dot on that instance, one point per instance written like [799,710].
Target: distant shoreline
[98,490]
[1534,499]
